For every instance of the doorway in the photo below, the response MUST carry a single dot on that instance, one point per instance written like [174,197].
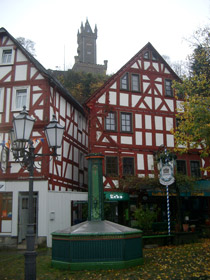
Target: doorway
[23,215]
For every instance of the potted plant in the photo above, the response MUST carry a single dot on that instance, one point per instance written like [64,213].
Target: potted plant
[192,227]
[186,224]
[145,217]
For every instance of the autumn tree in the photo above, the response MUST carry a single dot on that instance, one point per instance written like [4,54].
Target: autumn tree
[81,85]
[193,118]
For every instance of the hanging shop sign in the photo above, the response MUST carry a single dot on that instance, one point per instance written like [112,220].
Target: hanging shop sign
[116,196]
[166,175]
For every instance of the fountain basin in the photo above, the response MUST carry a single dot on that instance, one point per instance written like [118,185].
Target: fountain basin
[97,245]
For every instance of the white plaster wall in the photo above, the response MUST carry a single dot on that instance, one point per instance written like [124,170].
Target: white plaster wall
[112,97]
[159,139]
[20,56]
[138,121]
[140,161]
[126,140]
[138,138]
[59,203]
[20,72]
[4,71]
[169,124]
[158,123]
[150,162]
[170,140]
[102,99]
[148,136]
[148,122]
[124,99]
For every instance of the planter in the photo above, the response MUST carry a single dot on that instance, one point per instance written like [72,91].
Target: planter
[185,227]
[192,227]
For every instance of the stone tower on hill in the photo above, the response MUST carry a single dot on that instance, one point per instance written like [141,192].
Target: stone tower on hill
[86,60]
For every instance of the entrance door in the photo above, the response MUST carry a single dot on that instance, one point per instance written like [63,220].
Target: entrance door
[23,216]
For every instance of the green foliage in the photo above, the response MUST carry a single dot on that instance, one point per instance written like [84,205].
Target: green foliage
[139,184]
[193,130]
[145,217]
[81,85]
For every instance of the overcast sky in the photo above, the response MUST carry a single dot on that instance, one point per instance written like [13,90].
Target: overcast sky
[124,27]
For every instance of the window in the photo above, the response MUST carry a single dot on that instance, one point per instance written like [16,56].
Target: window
[79,121]
[7,56]
[146,55]
[124,82]
[135,82]
[168,88]
[5,206]
[126,122]
[20,98]
[111,166]
[154,56]
[181,167]
[110,121]
[128,166]
[195,168]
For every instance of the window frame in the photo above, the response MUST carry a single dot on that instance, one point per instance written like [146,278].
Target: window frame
[167,90]
[192,172]
[132,82]
[131,122]
[112,159]
[184,172]
[14,98]
[133,166]
[127,82]
[115,122]
[1,56]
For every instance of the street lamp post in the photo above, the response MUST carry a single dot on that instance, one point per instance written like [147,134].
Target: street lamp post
[24,152]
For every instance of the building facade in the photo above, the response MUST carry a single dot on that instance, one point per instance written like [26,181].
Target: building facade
[131,118]
[57,181]
[86,61]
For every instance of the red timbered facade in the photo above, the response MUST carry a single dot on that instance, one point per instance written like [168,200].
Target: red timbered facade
[131,117]
[24,81]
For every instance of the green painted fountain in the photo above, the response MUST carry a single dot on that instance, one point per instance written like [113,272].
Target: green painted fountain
[96,243]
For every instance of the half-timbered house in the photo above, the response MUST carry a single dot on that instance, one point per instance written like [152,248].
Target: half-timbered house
[131,118]
[57,181]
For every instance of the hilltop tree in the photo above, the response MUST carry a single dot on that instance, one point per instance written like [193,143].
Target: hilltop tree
[81,85]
